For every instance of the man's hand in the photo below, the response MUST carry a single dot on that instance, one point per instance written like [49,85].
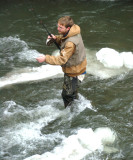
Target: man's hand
[53,37]
[41,59]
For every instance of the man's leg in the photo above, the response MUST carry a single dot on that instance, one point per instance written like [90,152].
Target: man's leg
[70,88]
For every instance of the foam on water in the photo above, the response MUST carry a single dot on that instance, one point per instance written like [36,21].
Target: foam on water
[81,104]
[23,125]
[96,68]
[9,47]
[16,48]
[31,74]
[77,146]
[28,55]
[127,59]
[110,58]
[107,63]
[13,48]
[25,131]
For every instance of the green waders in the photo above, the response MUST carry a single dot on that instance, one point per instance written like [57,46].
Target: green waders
[70,90]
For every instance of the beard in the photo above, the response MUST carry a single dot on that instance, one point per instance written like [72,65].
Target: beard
[60,33]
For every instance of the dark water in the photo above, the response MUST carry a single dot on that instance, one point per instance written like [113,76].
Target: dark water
[32,116]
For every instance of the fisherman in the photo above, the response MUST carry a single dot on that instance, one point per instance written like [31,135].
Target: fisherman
[72,57]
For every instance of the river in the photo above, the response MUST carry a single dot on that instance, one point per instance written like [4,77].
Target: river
[34,125]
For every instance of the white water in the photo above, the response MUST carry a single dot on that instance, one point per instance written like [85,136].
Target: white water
[27,135]
[31,74]
[19,49]
[105,63]
[108,62]
[77,146]
[110,58]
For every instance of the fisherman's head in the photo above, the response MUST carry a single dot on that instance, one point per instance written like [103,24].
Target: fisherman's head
[64,24]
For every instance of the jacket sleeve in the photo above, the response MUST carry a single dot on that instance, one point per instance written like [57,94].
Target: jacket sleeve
[65,54]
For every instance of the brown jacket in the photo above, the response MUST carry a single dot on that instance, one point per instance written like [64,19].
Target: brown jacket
[66,53]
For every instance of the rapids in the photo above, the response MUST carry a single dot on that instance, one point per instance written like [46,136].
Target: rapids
[34,125]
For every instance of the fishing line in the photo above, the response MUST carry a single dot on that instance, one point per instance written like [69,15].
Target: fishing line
[41,22]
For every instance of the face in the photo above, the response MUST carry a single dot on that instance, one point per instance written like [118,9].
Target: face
[62,29]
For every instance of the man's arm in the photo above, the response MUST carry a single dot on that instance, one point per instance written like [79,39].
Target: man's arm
[66,53]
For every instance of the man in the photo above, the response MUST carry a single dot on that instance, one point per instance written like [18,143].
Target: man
[72,57]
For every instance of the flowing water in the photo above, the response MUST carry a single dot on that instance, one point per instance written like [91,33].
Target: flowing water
[33,122]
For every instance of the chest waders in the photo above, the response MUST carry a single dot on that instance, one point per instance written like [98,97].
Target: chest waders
[70,90]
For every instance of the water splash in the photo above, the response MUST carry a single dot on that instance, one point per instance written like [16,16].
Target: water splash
[79,145]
